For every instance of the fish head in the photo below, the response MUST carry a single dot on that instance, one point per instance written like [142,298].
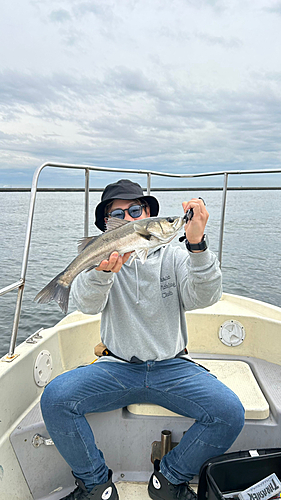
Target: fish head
[164,228]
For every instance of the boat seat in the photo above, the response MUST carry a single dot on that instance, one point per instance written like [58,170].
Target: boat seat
[237,375]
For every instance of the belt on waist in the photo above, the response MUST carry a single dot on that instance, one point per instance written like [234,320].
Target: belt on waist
[136,360]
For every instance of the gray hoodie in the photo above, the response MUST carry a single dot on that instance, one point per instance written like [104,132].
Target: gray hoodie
[143,305]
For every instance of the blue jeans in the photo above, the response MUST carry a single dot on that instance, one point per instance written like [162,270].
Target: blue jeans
[177,384]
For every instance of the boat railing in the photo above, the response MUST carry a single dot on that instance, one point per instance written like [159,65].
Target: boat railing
[87,169]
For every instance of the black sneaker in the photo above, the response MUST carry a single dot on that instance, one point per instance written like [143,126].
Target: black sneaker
[105,491]
[160,488]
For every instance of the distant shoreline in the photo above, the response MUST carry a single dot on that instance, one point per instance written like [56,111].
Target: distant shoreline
[99,190]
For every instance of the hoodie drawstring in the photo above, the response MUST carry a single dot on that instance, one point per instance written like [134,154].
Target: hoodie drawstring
[137,281]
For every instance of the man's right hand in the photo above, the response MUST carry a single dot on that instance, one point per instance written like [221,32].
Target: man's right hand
[114,263]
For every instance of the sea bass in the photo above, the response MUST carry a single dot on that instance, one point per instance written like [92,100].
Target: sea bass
[138,237]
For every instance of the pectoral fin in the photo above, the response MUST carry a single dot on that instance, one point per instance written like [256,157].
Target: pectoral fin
[142,231]
[142,254]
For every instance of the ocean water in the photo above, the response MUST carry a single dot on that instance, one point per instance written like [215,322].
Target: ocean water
[250,262]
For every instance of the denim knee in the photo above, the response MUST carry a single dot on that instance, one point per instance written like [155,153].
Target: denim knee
[234,415]
[50,397]
[238,416]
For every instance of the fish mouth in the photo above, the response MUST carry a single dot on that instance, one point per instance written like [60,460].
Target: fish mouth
[178,223]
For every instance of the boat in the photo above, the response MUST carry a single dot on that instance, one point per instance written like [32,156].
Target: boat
[238,339]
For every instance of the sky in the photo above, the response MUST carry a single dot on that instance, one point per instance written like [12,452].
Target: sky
[181,86]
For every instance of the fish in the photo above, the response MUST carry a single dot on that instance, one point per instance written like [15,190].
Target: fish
[137,237]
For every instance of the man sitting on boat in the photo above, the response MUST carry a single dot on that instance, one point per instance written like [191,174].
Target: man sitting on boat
[144,330]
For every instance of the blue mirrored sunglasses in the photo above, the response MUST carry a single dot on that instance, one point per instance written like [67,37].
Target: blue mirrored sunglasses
[134,211]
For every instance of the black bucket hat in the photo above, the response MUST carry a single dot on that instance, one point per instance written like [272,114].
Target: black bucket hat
[123,190]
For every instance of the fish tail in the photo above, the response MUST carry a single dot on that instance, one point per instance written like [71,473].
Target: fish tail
[55,290]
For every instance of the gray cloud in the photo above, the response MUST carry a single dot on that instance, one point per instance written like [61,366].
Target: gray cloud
[184,36]
[132,80]
[183,84]
[17,88]
[275,8]
[60,16]
[167,32]
[102,10]
[232,42]
[131,117]
[216,5]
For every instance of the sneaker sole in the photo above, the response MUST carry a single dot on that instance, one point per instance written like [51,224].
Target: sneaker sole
[153,495]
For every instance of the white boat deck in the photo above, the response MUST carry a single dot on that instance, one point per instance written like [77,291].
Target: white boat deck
[252,369]
[137,491]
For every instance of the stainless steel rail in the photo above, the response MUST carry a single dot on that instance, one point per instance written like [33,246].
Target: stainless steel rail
[87,168]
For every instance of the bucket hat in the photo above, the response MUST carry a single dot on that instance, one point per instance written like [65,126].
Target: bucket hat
[123,190]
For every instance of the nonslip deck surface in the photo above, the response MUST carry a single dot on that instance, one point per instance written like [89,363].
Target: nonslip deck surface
[129,491]
[136,491]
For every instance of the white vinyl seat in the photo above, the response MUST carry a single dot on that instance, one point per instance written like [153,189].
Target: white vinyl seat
[237,375]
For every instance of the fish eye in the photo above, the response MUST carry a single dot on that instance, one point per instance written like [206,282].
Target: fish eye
[171,219]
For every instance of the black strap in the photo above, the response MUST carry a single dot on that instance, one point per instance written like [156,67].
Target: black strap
[182,353]
[136,360]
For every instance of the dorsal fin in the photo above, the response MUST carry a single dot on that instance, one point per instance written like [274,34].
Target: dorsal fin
[84,242]
[114,223]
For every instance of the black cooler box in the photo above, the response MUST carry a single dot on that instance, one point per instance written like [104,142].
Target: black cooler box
[234,472]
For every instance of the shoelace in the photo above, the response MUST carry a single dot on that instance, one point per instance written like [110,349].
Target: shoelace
[184,492]
[188,492]
[76,494]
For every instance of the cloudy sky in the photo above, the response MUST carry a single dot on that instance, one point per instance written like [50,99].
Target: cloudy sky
[172,85]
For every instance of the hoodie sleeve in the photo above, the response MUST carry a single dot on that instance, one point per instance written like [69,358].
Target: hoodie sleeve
[90,290]
[199,279]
